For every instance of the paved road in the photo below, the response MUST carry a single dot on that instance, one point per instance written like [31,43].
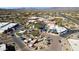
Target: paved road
[20,43]
[70,18]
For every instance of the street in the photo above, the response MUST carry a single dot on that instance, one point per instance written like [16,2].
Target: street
[70,18]
[20,43]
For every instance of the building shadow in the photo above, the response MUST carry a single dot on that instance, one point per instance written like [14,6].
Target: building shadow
[69,33]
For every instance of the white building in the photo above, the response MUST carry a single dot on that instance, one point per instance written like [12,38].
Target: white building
[42,19]
[6,25]
[31,21]
[61,30]
[55,28]
[33,18]
[74,43]
[2,47]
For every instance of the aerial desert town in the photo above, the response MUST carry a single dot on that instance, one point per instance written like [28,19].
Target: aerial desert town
[39,29]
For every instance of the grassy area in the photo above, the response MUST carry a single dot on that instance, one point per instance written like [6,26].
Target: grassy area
[35,33]
[37,25]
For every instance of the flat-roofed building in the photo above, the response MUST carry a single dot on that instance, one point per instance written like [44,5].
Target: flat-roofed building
[6,47]
[2,47]
[56,29]
[74,43]
[4,26]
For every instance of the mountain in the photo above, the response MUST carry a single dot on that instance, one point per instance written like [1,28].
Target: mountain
[41,8]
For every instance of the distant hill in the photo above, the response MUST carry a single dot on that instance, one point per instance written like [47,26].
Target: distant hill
[41,8]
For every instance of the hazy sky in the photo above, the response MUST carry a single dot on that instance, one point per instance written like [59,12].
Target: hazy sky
[38,3]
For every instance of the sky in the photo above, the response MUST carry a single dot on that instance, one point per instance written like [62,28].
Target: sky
[39,3]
